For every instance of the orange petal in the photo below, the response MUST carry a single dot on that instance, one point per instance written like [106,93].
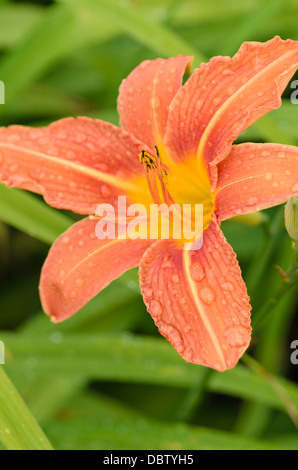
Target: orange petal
[254,177]
[145,95]
[79,265]
[198,299]
[74,163]
[225,96]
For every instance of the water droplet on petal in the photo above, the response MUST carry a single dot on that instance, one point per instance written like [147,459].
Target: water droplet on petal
[79,282]
[237,336]
[155,308]
[197,271]
[268,176]
[148,291]
[228,286]
[216,101]
[294,188]
[252,201]
[105,190]
[175,279]
[80,137]
[281,154]
[207,295]
[199,104]
[155,102]
[167,262]
[227,72]
[102,167]
[65,239]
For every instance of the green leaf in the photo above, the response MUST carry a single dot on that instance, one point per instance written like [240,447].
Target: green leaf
[130,358]
[59,33]
[16,23]
[155,36]
[18,428]
[141,433]
[25,212]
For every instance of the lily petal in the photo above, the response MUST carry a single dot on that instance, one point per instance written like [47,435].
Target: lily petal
[198,299]
[145,95]
[75,164]
[254,177]
[79,265]
[225,96]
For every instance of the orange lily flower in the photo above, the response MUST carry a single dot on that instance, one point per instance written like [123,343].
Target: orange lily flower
[197,298]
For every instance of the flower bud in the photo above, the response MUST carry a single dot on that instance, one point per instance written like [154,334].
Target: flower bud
[291,218]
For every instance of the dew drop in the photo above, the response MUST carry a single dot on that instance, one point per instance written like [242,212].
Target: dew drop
[216,101]
[147,291]
[228,286]
[207,295]
[102,167]
[105,191]
[294,188]
[14,138]
[167,262]
[197,271]
[237,336]
[227,72]
[281,154]
[80,137]
[79,282]
[155,308]
[70,154]
[65,239]
[155,102]
[265,153]
[175,279]
[252,201]
[268,176]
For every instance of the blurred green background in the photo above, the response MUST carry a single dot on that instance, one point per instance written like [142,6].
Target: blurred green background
[106,379]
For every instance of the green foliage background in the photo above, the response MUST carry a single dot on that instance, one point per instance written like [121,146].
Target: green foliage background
[106,379]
